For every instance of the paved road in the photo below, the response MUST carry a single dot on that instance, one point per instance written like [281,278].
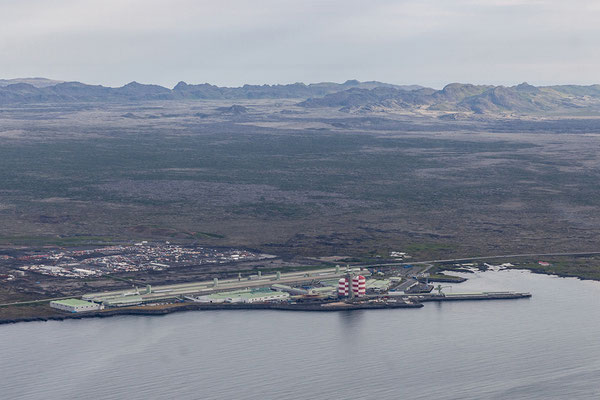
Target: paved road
[585,253]
[20,303]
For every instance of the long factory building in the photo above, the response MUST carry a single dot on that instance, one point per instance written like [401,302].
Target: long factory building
[135,296]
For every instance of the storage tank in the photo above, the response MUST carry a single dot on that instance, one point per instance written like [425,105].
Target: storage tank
[343,287]
[359,285]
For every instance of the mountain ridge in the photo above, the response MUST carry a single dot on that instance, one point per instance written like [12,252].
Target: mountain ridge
[37,82]
[351,96]
[467,98]
[43,90]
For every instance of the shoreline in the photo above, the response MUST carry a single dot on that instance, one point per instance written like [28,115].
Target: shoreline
[148,311]
[297,307]
[537,271]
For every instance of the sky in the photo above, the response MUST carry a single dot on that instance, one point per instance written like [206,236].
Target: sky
[234,42]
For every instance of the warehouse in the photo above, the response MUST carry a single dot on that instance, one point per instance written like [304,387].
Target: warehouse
[123,301]
[378,285]
[75,305]
[259,297]
[244,296]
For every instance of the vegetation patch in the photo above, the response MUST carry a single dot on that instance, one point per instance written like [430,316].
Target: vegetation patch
[580,267]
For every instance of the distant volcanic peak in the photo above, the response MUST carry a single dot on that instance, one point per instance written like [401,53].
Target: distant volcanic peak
[458,91]
[526,87]
[235,109]
[180,85]
[76,84]
[137,85]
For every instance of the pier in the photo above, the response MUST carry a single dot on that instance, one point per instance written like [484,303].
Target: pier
[423,297]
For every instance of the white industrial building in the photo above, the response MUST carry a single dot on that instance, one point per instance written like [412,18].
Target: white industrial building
[75,305]
[262,297]
[257,296]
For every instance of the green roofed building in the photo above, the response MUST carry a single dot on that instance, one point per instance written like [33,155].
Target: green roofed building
[75,305]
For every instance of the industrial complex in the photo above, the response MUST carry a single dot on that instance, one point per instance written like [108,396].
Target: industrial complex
[325,289]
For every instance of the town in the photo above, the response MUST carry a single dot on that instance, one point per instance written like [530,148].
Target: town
[141,256]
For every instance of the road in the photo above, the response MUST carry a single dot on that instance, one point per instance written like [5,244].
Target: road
[583,253]
[429,263]
[21,303]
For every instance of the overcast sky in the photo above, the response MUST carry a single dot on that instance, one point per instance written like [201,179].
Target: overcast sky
[232,42]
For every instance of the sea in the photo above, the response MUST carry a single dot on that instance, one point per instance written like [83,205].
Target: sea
[545,347]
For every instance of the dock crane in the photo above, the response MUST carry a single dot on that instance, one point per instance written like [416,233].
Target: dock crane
[439,289]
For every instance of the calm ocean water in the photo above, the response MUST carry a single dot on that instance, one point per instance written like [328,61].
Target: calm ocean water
[546,347]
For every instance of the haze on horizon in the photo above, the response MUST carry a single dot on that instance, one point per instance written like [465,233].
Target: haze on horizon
[230,43]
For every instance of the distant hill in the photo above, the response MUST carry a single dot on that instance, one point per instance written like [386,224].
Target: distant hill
[37,82]
[233,110]
[457,97]
[295,90]
[40,90]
